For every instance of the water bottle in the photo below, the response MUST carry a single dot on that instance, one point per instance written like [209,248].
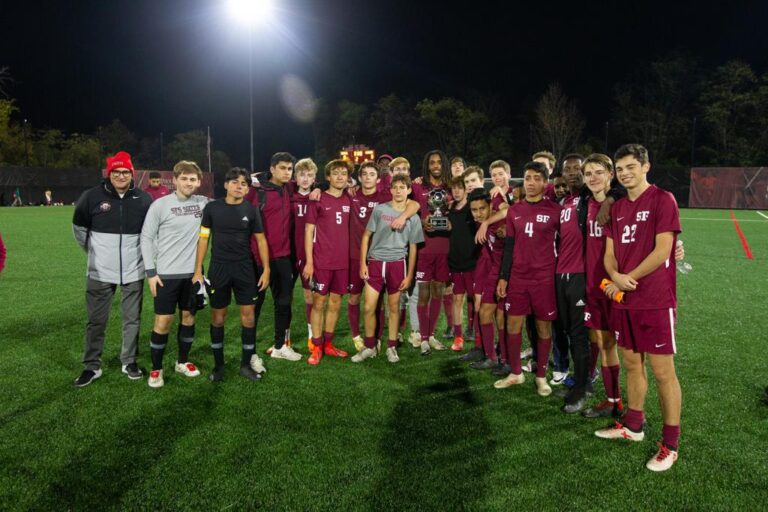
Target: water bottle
[683,266]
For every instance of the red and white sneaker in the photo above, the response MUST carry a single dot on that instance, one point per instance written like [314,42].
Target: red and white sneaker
[316,357]
[619,431]
[458,344]
[330,349]
[271,348]
[188,369]
[663,459]
[156,379]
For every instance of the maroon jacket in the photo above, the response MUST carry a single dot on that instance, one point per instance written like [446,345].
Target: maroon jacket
[276,216]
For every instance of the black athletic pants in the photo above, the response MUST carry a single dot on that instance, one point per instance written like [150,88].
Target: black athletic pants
[571,298]
[281,284]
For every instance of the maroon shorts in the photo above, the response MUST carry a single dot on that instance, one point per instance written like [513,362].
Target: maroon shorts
[482,269]
[645,331]
[432,267]
[331,281]
[300,270]
[488,289]
[597,314]
[386,273]
[525,297]
[355,281]
[463,282]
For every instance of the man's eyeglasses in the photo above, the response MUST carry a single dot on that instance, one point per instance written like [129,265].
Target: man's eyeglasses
[122,173]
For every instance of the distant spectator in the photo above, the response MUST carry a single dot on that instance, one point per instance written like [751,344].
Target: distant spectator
[48,198]
[17,197]
[155,189]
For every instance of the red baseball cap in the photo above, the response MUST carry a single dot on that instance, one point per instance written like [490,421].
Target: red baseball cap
[121,160]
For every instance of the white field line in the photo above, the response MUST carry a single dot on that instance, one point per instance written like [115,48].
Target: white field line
[723,220]
[761,214]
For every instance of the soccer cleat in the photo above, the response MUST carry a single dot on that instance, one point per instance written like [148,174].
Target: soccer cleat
[448,334]
[476,354]
[156,379]
[330,349]
[249,373]
[501,370]
[458,344]
[399,339]
[359,343]
[270,349]
[470,334]
[425,350]
[573,408]
[310,345]
[133,371]
[217,375]
[87,377]
[392,356]
[558,378]
[484,364]
[529,366]
[595,376]
[605,409]
[435,344]
[287,353]
[364,354]
[316,357]
[663,459]
[187,369]
[415,339]
[619,431]
[542,388]
[509,380]
[526,354]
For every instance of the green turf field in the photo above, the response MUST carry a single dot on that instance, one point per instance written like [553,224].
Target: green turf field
[427,433]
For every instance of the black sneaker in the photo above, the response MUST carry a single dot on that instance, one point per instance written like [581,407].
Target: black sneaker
[217,375]
[248,372]
[502,370]
[133,371]
[485,364]
[574,407]
[470,334]
[476,354]
[87,377]
[448,334]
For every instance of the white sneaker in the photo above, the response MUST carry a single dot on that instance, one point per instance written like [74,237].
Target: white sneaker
[619,431]
[364,354]
[425,350]
[257,364]
[399,338]
[359,343]
[529,366]
[663,459]
[187,369]
[392,356]
[415,339]
[542,388]
[285,352]
[378,347]
[156,379]
[435,344]
[509,380]
[558,378]
[526,354]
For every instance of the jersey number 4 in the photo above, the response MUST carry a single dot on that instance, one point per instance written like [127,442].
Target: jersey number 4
[529,229]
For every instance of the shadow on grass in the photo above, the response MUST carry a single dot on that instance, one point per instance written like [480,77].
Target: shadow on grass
[436,449]
[120,457]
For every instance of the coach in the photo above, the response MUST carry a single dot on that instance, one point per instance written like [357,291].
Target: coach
[107,225]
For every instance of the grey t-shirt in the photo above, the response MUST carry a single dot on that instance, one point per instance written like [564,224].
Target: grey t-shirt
[169,236]
[386,243]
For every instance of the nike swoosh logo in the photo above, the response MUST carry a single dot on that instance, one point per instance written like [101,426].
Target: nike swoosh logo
[551,313]
[619,218]
[517,218]
[659,346]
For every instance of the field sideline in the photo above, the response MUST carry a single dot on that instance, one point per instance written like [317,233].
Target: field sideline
[424,434]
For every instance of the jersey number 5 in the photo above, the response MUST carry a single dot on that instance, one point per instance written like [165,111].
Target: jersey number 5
[338,217]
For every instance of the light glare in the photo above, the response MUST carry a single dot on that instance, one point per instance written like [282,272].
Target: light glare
[250,12]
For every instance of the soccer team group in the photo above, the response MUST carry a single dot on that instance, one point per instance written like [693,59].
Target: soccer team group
[582,256]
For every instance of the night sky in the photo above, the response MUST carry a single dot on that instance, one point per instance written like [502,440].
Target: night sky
[175,65]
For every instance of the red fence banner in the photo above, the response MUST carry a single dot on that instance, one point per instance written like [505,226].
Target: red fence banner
[141,179]
[744,188]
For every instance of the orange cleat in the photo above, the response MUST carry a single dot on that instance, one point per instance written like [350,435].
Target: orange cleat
[458,344]
[316,357]
[310,345]
[330,350]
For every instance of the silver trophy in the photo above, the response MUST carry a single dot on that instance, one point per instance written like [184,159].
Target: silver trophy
[438,203]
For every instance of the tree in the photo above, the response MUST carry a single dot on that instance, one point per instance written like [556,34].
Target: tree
[458,128]
[5,81]
[350,127]
[116,137]
[558,122]
[79,151]
[12,150]
[392,124]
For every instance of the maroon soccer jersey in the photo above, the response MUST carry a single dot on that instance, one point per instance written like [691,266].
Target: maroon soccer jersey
[570,257]
[595,251]
[534,226]
[549,192]
[330,215]
[435,242]
[299,206]
[500,199]
[362,207]
[633,229]
[492,251]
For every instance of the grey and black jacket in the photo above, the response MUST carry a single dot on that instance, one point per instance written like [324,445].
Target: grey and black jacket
[108,228]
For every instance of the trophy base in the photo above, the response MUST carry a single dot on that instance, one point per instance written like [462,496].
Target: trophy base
[439,223]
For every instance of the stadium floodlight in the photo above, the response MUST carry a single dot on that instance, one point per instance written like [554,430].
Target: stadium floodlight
[251,12]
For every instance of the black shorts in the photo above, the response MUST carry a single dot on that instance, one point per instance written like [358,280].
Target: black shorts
[175,292]
[226,278]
